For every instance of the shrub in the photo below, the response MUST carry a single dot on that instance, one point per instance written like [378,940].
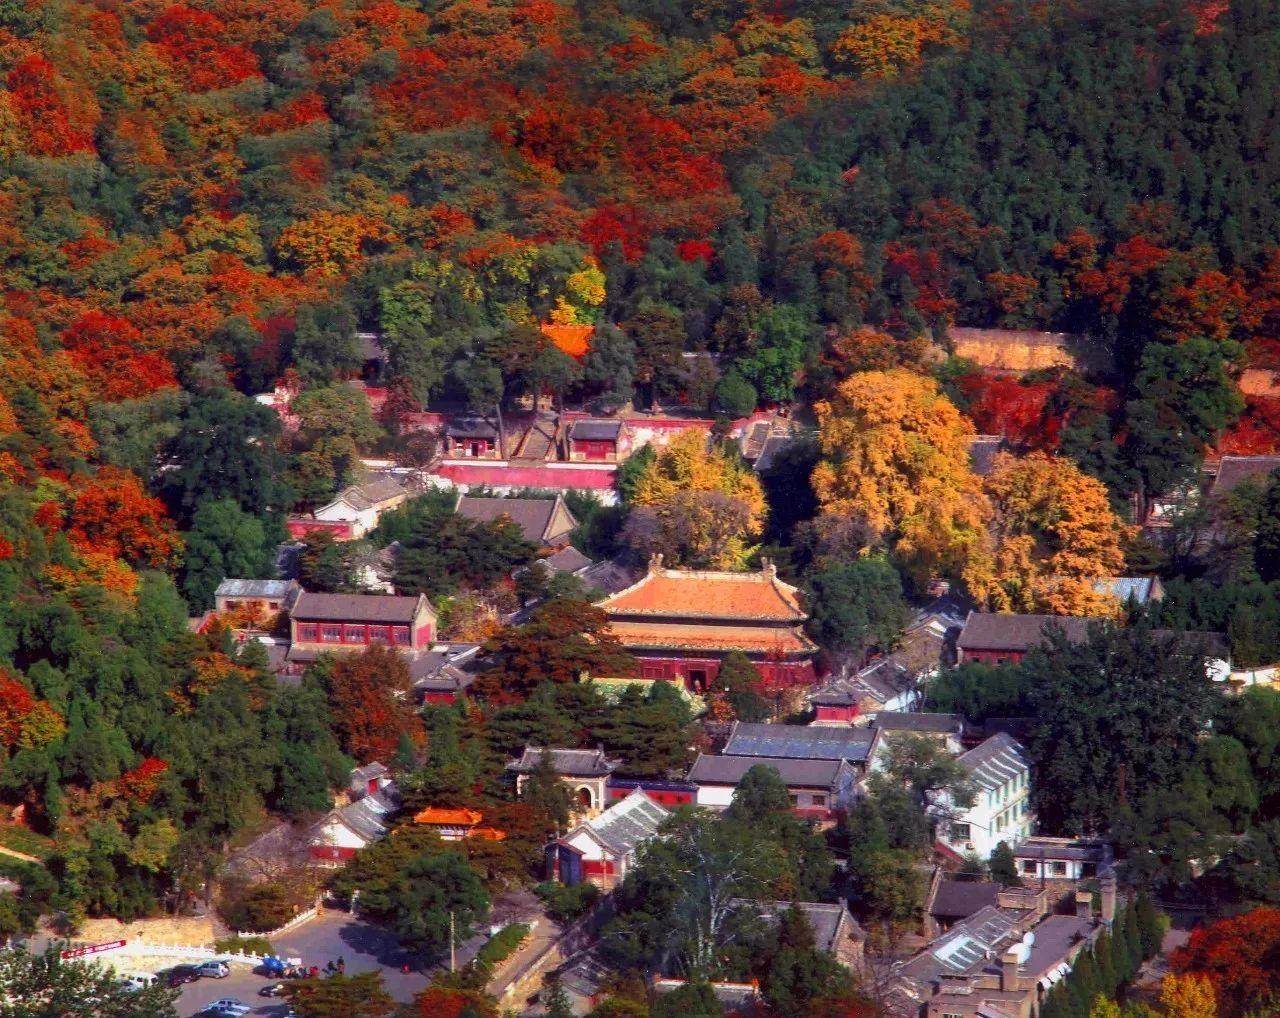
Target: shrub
[565,904]
[501,945]
[265,907]
[244,945]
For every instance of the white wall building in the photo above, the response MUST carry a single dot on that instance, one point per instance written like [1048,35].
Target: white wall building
[1001,809]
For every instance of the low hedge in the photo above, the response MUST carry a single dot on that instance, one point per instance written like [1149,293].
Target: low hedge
[501,946]
[244,945]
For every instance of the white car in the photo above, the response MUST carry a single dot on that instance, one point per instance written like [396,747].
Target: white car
[214,969]
[230,1006]
[137,981]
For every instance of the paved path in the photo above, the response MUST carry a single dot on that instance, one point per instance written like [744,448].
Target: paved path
[14,854]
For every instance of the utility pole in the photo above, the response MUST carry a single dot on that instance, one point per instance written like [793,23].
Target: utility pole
[452,959]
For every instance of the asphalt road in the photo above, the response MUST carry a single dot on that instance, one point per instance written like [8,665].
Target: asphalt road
[363,946]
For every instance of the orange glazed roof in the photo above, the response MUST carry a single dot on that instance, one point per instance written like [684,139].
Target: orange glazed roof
[575,340]
[487,834]
[760,639]
[452,817]
[703,594]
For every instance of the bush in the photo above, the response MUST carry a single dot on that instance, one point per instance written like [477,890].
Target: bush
[501,945]
[565,904]
[265,907]
[244,945]
[735,395]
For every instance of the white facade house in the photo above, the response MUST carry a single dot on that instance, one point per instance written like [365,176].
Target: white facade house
[603,849]
[1001,809]
[360,506]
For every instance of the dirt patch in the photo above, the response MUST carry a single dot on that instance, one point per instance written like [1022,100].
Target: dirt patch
[179,930]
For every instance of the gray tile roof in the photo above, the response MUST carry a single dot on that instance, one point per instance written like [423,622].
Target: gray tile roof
[963,948]
[998,631]
[578,763]
[608,576]
[595,430]
[628,823]
[796,742]
[1002,631]
[270,589]
[368,772]
[995,761]
[369,815]
[470,427]
[959,899]
[379,608]
[567,560]
[825,919]
[1235,470]
[918,721]
[729,770]
[532,515]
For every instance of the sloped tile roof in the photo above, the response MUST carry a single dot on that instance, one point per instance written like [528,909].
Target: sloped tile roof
[595,430]
[919,721]
[706,594]
[567,560]
[1235,470]
[959,899]
[1003,631]
[672,636]
[628,823]
[377,608]
[798,742]
[995,761]
[269,589]
[728,770]
[578,763]
[534,516]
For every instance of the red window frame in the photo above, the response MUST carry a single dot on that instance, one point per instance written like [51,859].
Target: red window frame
[401,636]
[306,632]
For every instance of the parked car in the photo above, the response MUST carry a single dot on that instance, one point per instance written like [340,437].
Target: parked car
[180,974]
[272,990]
[137,981]
[231,1007]
[214,969]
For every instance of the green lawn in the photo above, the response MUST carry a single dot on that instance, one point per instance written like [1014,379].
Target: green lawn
[19,839]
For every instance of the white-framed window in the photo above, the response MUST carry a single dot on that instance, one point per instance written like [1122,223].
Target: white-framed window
[961,832]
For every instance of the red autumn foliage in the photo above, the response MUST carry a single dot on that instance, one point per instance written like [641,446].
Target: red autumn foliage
[141,783]
[1240,956]
[1257,433]
[109,350]
[111,513]
[367,693]
[621,224]
[930,278]
[307,108]
[695,250]
[1110,284]
[55,120]
[16,702]
[195,41]
[1018,411]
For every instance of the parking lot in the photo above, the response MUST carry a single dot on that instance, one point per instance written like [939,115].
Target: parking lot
[333,934]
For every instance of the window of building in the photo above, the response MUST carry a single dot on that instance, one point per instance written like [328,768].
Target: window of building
[1059,869]
[951,1014]
[273,605]
[307,632]
[379,634]
[402,636]
[331,634]
[353,634]
[1028,866]
[794,800]
[960,832]
[819,800]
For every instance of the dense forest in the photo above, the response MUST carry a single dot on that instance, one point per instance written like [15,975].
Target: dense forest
[201,201]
